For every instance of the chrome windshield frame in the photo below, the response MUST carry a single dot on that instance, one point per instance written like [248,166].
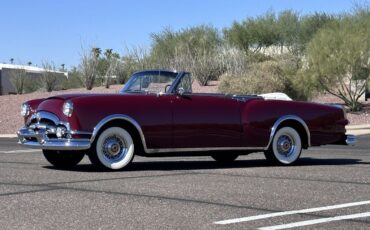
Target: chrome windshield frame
[171,90]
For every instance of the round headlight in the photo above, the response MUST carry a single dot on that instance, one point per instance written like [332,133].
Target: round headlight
[25,109]
[68,108]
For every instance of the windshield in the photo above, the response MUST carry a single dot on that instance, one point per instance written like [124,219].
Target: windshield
[150,81]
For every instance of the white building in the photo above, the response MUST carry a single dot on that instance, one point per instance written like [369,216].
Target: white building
[7,71]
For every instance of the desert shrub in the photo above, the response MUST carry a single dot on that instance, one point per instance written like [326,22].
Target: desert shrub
[206,67]
[89,68]
[294,85]
[193,49]
[263,77]
[32,84]
[73,81]
[18,78]
[280,74]
[49,78]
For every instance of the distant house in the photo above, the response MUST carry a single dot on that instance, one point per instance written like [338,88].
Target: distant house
[33,72]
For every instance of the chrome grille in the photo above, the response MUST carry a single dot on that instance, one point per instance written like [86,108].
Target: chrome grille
[44,126]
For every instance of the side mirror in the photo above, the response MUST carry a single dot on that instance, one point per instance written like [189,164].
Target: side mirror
[180,91]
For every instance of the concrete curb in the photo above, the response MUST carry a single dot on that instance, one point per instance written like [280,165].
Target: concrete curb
[8,135]
[357,127]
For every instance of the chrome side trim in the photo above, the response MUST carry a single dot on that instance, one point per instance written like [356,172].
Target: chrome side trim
[205,149]
[285,118]
[79,132]
[119,117]
[166,150]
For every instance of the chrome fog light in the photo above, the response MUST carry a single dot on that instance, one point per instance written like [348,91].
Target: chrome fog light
[60,132]
[25,109]
[68,108]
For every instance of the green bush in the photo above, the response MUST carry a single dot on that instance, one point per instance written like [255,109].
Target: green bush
[73,81]
[32,84]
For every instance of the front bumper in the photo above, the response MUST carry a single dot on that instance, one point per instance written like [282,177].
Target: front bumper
[44,130]
[40,140]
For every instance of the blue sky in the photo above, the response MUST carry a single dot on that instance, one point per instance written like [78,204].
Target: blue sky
[54,30]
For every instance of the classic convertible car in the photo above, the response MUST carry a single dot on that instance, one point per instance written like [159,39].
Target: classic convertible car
[158,114]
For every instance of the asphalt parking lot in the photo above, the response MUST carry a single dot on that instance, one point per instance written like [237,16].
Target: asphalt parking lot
[329,188]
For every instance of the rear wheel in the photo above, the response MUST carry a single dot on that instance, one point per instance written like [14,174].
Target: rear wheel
[225,158]
[113,149]
[286,147]
[63,159]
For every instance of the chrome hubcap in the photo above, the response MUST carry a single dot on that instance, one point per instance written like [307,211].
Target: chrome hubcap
[114,147]
[285,145]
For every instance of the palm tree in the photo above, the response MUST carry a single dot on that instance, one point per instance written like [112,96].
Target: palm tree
[63,65]
[96,51]
[11,60]
[29,63]
[108,53]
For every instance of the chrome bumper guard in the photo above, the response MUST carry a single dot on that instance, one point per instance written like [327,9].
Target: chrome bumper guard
[40,140]
[346,140]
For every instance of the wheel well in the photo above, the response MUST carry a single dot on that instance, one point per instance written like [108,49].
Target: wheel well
[300,129]
[130,128]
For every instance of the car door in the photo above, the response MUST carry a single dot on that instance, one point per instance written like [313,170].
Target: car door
[204,120]
[153,111]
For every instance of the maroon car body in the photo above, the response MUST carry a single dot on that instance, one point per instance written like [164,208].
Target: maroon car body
[177,121]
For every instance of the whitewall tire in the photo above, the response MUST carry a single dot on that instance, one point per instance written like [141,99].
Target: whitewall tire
[286,147]
[114,149]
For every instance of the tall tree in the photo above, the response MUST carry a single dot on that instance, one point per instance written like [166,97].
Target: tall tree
[339,57]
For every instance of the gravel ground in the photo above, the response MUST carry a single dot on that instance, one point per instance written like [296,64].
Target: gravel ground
[11,121]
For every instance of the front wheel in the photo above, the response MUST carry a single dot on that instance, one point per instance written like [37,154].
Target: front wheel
[63,159]
[286,147]
[114,149]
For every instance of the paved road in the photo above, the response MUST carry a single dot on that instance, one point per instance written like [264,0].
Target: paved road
[188,193]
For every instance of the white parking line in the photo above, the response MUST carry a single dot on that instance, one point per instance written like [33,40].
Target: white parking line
[264,216]
[317,221]
[21,151]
